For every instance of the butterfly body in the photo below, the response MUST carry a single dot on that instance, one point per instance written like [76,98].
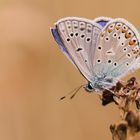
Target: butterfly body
[103,50]
[100,82]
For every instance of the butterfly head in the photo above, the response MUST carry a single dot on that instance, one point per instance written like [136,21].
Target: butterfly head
[89,87]
[98,84]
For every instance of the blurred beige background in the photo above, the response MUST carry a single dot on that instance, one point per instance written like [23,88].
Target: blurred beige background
[34,74]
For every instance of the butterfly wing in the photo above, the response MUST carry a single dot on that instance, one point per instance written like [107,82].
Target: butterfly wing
[78,38]
[102,20]
[61,44]
[117,49]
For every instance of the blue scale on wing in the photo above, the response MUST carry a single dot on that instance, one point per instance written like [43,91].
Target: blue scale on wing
[102,23]
[102,20]
[60,43]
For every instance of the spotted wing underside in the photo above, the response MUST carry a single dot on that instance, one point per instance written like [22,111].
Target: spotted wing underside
[117,50]
[77,37]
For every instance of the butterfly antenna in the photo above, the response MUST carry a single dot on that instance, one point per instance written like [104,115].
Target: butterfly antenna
[73,92]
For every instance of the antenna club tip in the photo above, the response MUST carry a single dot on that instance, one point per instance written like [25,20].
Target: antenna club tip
[62,98]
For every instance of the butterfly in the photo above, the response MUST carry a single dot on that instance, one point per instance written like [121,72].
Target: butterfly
[103,50]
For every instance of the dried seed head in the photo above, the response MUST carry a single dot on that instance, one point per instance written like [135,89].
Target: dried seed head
[112,128]
[119,132]
[122,131]
[132,119]
[119,85]
[131,82]
[137,104]
[126,96]
[107,97]
[122,127]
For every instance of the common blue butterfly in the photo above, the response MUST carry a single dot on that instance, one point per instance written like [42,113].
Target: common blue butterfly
[103,50]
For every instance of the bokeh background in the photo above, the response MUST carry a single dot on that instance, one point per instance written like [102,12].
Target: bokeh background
[34,73]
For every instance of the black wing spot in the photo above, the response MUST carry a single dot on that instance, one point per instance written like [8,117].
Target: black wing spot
[122,44]
[114,35]
[68,40]
[99,47]
[115,64]
[76,34]
[107,38]
[109,52]
[85,60]
[79,49]
[98,61]
[88,39]
[119,37]
[71,34]
[109,61]
[124,49]
[82,36]
[129,55]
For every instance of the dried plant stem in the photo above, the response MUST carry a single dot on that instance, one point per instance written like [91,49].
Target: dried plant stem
[127,97]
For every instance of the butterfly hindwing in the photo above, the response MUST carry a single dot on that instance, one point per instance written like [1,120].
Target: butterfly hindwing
[117,49]
[79,37]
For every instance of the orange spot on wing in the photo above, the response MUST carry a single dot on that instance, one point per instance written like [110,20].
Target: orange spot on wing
[109,30]
[132,42]
[127,35]
[124,30]
[118,27]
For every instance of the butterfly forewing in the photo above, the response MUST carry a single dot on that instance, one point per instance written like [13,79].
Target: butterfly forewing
[80,37]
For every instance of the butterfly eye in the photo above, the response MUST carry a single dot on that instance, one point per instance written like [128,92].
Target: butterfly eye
[118,26]
[124,28]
